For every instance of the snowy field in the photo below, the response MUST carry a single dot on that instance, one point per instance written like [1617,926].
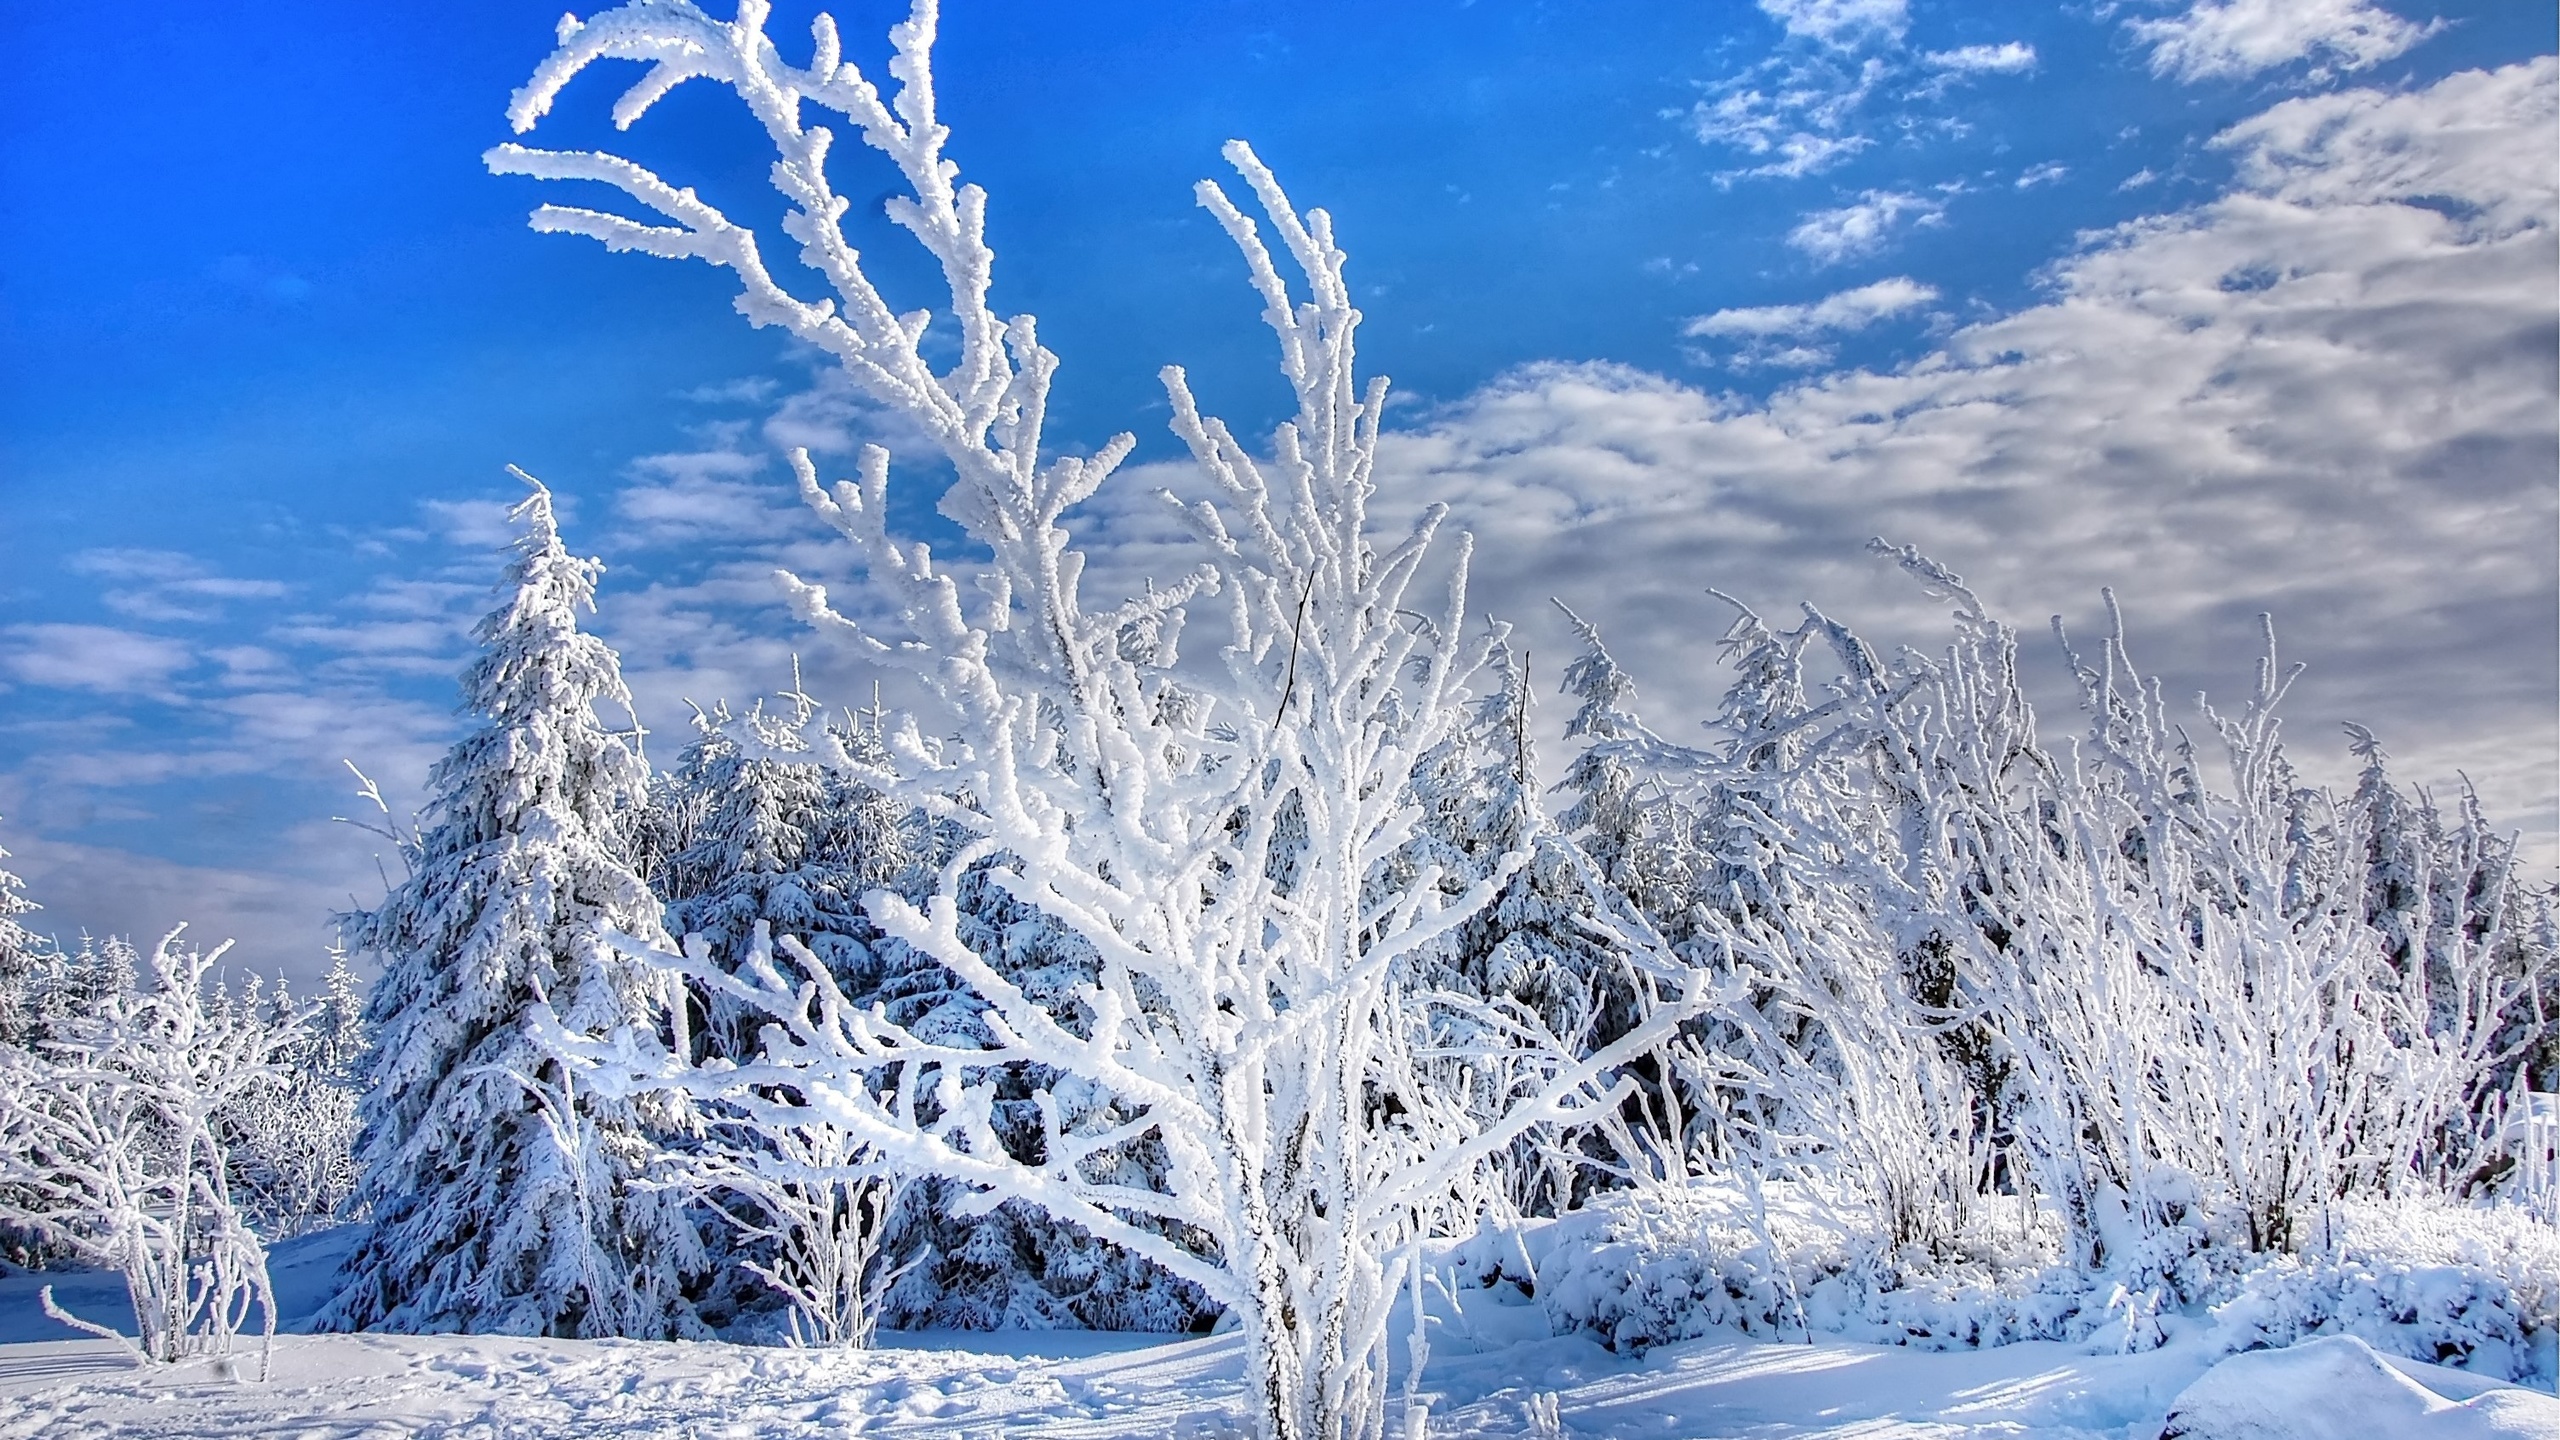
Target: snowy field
[1494,1370]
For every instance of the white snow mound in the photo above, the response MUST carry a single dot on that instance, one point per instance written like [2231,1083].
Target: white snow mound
[2338,1388]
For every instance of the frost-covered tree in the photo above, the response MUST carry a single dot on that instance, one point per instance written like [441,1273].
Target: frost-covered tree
[501,1196]
[22,955]
[1209,831]
[111,1145]
[293,1141]
[1536,956]
[772,835]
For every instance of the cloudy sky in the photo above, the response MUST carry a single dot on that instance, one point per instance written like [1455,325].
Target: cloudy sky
[2234,306]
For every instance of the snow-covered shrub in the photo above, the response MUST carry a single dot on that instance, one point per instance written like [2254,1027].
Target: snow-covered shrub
[815,1222]
[1841,1069]
[109,1145]
[2165,1005]
[2456,1285]
[501,1197]
[1655,1264]
[1208,831]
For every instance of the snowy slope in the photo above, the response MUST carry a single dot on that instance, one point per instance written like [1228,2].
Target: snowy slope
[1492,1373]
[1493,1370]
[342,1387]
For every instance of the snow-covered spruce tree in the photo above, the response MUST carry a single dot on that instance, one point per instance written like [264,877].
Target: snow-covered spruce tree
[65,986]
[501,1198]
[759,832]
[111,1146]
[340,1038]
[774,835]
[1535,957]
[22,956]
[1209,834]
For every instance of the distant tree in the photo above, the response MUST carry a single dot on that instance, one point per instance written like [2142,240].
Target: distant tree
[22,955]
[293,1141]
[502,1198]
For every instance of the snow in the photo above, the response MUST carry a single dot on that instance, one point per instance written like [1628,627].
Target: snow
[2338,1386]
[1495,1370]
[1061,1385]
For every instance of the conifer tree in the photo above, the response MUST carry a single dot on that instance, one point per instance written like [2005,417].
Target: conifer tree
[501,1197]
[770,834]
[1532,958]
[22,954]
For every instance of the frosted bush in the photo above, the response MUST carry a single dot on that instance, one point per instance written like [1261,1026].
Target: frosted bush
[1651,1266]
[2474,1288]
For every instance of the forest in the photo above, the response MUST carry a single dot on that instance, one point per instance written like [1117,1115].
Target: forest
[1216,959]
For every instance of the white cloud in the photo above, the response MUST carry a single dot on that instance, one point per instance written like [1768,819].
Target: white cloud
[1840,22]
[2013,57]
[1767,330]
[1807,108]
[2044,174]
[1846,310]
[2329,394]
[746,390]
[166,585]
[1791,132]
[2455,146]
[92,657]
[703,497]
[1831,236]
[473,524]
[2232,39]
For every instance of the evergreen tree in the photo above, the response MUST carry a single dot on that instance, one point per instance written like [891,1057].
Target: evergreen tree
[22,955]
[340,1040]
[770,834]
[1531,957]
[501,1198]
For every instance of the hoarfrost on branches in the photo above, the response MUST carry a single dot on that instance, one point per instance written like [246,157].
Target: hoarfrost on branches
[1210,833]
[110,1144]
[2189,1018]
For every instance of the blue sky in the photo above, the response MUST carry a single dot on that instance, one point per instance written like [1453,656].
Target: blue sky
[1675,295]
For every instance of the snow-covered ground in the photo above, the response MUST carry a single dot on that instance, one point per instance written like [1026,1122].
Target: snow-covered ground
[1494,1370]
